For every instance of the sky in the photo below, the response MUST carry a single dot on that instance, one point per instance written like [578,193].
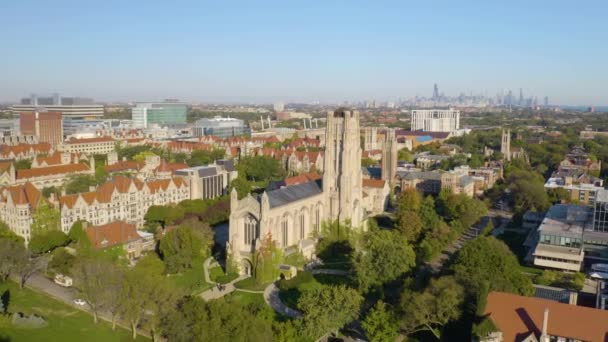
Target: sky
[302,51]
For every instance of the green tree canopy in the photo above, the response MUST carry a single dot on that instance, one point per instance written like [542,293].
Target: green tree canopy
[385,256]
[487,259]
[179,248]
[200,321]
[45,219]
[328,308]
[380,324]
[433,308]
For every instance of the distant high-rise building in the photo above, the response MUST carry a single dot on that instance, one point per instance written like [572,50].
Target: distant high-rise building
[47,126]
[521,97]
[160,113]
[546,101]
[279,107]
[509,100]
[434,120]
[435,92]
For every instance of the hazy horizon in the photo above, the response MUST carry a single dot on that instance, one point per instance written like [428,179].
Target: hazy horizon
[241,52]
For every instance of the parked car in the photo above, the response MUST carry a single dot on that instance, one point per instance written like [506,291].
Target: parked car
[63,280]
[79,301]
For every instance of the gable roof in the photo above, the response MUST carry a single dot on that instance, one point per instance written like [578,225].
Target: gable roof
[518,316]
[25,194]
[112,234]
[293,193]
[52,170]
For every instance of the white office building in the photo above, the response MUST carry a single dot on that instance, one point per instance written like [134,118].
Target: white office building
[435,120]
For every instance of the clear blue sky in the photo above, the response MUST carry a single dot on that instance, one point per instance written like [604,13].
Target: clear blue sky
[292,50]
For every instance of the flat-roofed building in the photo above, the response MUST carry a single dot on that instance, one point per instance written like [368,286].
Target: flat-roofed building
[169,112]
[209,181]
[560,237]
[435,120]
[97,145]
[220,127]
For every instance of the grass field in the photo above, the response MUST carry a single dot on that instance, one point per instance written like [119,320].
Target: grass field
[65,323]
[191,281]
[216,274]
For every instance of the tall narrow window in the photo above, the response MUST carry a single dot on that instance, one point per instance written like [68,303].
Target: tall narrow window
[284,232]
[302,226]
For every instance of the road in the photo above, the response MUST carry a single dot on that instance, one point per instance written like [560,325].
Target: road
[40,283]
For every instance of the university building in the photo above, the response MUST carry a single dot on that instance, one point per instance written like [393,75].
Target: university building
[291,215]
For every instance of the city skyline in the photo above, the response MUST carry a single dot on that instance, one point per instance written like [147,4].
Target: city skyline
[327,52]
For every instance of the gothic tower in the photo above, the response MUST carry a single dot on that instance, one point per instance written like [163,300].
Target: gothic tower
[370,139]
[342,177]
[505,145]
[389,156]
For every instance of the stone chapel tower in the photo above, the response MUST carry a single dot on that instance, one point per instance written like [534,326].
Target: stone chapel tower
[342,176]
[389,156]
[505,144]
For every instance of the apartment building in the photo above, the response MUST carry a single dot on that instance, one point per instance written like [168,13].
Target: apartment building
[581,186]
[120,233]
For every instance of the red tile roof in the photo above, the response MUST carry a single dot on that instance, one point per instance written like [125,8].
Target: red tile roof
[303,178]
[25,194]
[518,316]
[124,166]
[51,170]
[112,234]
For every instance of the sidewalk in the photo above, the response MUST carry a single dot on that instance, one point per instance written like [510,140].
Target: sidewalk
[271,297]
[215,293]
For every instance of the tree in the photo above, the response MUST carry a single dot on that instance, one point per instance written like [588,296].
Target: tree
[266,261]
[47,241]
[79,238]
[12,258]
[487,259]
[164,215]
[179,247]
[328,308]
[23,164]
[242,187]
[62,261]
[432,309]
[8,234]
[90,277]
[141,156]
[380,324]
[79,183]
[260,169]
[29,266]
[405,155]
[386,255]
[45,219]
[409,199]
[200,321]
[409,224]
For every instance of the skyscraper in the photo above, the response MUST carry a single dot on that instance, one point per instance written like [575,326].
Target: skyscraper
[521,97]
[546,102]
[435,92]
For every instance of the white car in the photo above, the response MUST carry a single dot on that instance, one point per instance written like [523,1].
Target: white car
[79,301]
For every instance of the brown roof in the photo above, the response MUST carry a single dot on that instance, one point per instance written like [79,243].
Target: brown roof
[303,178]
[124,166]
[373,183]
[52,170]
[25,194]
[170,167]
[518,316]
[120,184]
[6,150]
[111,234]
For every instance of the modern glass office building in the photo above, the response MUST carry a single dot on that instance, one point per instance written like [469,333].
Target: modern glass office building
[220,127]
[159,113]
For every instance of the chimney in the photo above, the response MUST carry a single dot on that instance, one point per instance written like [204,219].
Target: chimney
[544,337]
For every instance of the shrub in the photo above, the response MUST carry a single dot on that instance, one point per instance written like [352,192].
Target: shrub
[32,321]
[301,278]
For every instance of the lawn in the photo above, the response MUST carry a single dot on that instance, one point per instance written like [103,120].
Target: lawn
[255,300]
[191,281]
[65,323]
[217,275]
[250,284]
